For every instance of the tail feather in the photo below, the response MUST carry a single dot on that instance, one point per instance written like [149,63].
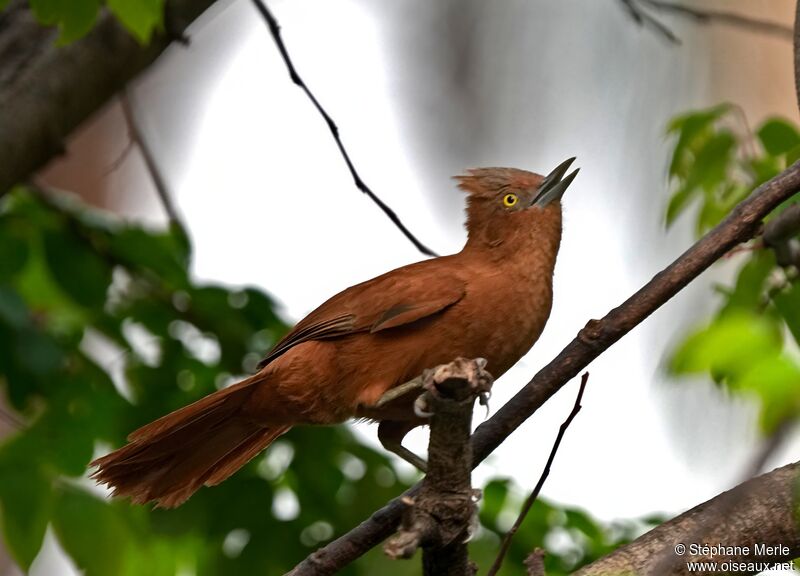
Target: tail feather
[203,443]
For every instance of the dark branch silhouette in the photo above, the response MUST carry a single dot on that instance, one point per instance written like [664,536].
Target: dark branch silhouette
[596,337]
[49,89]
[636,10]
[498,561]
[275,31]
[755,522]
[150,161]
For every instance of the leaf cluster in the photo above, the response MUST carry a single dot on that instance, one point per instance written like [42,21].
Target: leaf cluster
[75,18]
[750,345]
[103,330]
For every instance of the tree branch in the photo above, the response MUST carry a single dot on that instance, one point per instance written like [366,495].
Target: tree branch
[46,90]
[275,31]
[150,161]
[635,9]
[498,562]
[710,16]
[780,234]
[439,518]
[741,224]
[758,512]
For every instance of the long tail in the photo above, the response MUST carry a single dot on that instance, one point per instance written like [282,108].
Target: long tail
[202,444]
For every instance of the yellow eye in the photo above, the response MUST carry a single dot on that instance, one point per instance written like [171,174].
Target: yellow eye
[509,200]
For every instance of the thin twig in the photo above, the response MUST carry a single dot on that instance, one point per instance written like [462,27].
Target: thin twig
[121,157]
[275,31]
[769,446]
[498,561]
[710,16]
[12,420]
[740,225]
[150,161]
[642,17]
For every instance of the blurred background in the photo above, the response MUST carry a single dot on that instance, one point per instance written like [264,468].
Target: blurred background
[422,91]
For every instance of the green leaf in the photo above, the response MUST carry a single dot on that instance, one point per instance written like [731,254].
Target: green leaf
[678,202]
[776,381]
[691,129]
[92,533]
[74,17]
[748,291]
[48,12]
[26,502]
[12,308]
[159,253]
[495,494]
[140,17]
[81,273]
[788,305]
[728,346]
[778,136]
[13,250]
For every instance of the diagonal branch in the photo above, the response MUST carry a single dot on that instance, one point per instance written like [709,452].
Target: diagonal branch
[642,17]
[741,224]
[711,16]
[275,31]
[754,522]
[47,90]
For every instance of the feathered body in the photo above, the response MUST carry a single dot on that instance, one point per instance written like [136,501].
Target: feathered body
[490,300]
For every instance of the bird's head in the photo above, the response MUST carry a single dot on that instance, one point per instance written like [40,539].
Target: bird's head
[503,203]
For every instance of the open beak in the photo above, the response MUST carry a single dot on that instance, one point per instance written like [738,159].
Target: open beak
[555,184]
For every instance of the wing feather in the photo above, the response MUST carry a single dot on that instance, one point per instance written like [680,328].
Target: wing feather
[397,298]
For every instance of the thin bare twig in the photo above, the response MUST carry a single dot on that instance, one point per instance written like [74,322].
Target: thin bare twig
[781,234]
[121,157]
[643,18]
[275,31]
[150,161]
[710,16]
[636,10]
[498,561]
[739,226]
[12,420]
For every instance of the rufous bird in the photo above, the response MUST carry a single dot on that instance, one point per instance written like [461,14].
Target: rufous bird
[351,356]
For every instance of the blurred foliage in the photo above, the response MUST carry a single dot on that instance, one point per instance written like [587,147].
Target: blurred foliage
[103,330]
[750,345]
[75,18]
[569,536]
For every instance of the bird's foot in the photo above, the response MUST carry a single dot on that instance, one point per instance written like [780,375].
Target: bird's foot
[445,380]
[398,391]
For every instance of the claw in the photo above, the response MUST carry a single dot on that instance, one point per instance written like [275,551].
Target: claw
[421,407]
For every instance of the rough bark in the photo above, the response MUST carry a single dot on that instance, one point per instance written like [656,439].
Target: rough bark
[440,517]
[47,90]
[760,512]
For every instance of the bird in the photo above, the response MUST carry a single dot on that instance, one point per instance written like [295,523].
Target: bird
[352,356]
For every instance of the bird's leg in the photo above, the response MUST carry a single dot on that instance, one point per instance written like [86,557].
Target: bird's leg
[398,391]
[391,434]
